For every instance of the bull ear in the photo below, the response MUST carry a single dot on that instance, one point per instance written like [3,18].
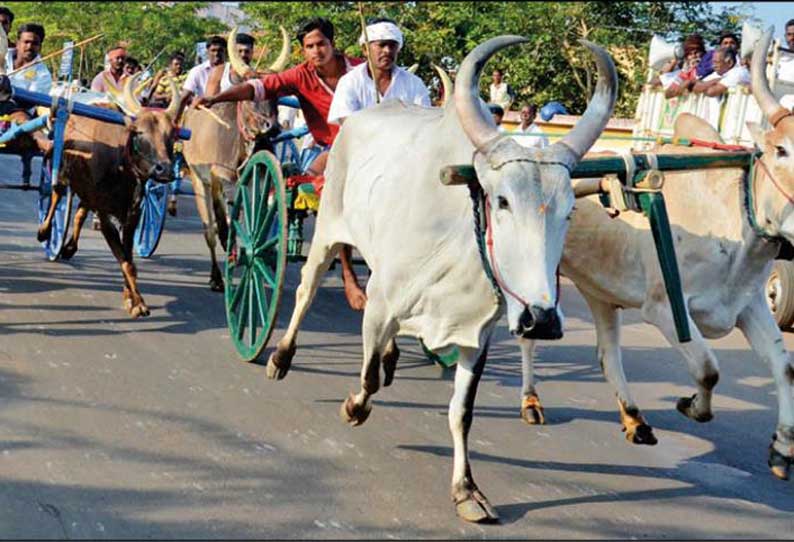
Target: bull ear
[757,133]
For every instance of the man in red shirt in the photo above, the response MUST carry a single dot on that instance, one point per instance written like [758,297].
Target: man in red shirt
[313,82]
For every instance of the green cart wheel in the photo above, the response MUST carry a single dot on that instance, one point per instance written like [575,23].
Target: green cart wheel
[257,255]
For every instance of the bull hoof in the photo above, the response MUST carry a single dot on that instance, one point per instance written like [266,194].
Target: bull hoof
[68,250]
[43,234]
[532,411]
[685,407]
[172,207]
[216,284]
[779,464]
[279,362]
[641,434]
[476,509]
[353,413]
[140,311]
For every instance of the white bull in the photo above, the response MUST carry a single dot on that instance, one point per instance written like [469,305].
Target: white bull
[383,196]
[727,235]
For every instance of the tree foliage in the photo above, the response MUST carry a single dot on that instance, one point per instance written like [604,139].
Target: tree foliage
[147,28]
[551,66]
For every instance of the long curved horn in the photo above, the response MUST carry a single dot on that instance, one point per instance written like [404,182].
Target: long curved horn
[283,57]
[412,69]
[176,98]
[477,126]
[238,64]
[579,140]
[3,50]
[759,83]
[446,83]
[130,100]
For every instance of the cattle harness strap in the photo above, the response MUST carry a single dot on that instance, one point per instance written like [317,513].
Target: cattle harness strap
[749,183]
[483,235]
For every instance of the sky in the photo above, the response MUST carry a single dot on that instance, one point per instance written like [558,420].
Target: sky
[770,13]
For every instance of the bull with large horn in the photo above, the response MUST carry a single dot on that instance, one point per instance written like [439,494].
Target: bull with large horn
[215,151]
[429,276]
[730,224]
[107,166]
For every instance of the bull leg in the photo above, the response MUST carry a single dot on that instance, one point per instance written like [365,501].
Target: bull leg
[321,254]
[138,306]
[70,248]
[45,228]
[531,408]
[608,319]
[219,210]
[470,503]
[389,360]
[111,235]
[204,207]
[765,338]
[701,361]
[377,332]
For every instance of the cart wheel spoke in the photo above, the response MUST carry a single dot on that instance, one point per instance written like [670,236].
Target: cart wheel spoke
[258,222]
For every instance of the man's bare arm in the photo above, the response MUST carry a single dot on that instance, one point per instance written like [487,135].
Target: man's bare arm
[237,93]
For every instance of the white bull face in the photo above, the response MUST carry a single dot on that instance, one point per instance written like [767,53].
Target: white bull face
[773,185]
[530,206]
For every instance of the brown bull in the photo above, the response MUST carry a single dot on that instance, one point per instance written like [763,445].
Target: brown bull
[107,166]
[215,152]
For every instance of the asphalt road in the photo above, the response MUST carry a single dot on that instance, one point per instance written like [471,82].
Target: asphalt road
[114,428]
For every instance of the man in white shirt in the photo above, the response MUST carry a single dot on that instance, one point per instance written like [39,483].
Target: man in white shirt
[500,92]
[198,76]
[528,126]
[786,64]
[356,89]
[25,72]
[727,74]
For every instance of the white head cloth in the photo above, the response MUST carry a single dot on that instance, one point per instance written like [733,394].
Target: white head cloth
[383,31]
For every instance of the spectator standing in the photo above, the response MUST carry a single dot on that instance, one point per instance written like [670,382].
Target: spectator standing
[500,92]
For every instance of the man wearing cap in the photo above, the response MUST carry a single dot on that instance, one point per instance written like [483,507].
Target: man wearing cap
[356,90]
[112,79]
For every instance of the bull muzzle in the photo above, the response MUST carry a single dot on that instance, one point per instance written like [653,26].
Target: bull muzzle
[539,323]
[160,172]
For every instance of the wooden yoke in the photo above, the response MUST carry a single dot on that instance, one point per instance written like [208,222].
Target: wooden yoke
[641,192]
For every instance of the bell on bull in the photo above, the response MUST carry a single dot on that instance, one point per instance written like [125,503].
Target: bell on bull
[427,276]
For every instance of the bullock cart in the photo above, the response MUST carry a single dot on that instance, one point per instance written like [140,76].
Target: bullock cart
[655,116]
[49,170]
[271,204]
[56,119]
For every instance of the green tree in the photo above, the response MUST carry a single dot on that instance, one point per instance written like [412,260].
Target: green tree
[552,66]
[147,28]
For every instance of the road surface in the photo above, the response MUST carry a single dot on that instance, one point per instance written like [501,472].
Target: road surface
[114,428]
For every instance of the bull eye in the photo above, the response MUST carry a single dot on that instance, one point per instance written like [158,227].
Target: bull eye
[781,151]
[502,202]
